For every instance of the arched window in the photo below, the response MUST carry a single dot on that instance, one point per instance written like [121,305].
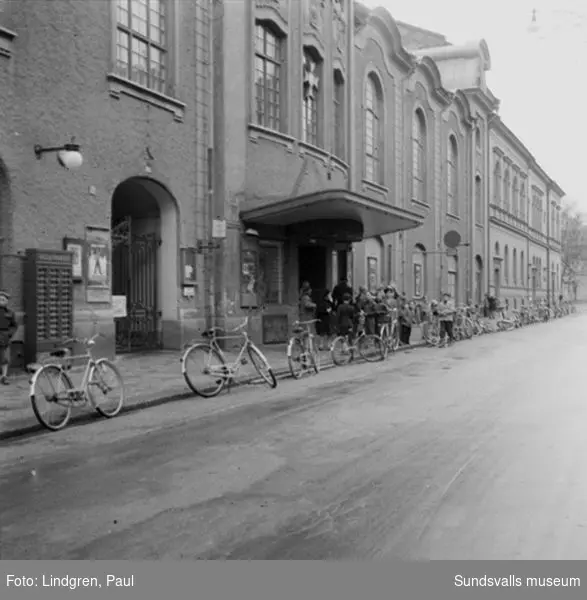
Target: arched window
[479,212]
[506,190]
[268,79]
[311,101]
[497,182]
[496,249]
[515,266]
[515,196]
[419,270]
[373,129]
[452,176]
[419,156]
[506,264]
[522,269]
[478,138]
[452,269]
[339,120]
[523,202]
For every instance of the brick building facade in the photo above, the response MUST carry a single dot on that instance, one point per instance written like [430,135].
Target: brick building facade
[131,84]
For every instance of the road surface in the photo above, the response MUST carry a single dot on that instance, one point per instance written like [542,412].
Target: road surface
[472,452]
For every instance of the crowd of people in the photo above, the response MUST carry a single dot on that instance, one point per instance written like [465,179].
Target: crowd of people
[341,312]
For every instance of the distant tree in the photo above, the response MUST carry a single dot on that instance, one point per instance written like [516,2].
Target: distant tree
[573,245]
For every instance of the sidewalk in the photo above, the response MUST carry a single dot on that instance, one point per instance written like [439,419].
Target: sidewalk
[150,379]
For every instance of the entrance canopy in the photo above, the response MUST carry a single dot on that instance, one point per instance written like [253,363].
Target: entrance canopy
[370,217]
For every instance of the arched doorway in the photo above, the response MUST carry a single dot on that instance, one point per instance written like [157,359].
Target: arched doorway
[145,242]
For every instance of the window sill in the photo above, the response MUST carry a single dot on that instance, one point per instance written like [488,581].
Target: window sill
[453,216]
[118,86]
[480,225]
[257,132]
[7,38]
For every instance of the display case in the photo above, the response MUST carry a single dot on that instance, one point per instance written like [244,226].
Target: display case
[48,300]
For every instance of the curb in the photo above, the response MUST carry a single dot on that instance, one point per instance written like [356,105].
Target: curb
[89,417]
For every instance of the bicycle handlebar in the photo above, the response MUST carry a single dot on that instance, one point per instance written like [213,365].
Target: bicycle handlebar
[86,341]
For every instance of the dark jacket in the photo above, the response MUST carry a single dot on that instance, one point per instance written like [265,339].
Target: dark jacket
[8,325]
[345,317]
[339,291]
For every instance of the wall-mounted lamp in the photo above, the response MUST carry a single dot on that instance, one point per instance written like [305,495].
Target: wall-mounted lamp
[251,232]
[68,155]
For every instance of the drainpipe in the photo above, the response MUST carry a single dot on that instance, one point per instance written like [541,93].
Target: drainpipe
[218,171]
[548,274]
[209,256]
[350,97]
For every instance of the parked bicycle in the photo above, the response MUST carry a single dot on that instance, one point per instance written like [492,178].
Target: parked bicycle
[369,346]
[389,332]
[216,371]
[302,355]
[61,394]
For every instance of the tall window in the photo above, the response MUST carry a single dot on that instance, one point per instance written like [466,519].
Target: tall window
[515,197]
[373,129]
[506,264]
[268,82]
[478,139]
[141,42]
[419,156]
[522,269]
[497,182]
[515,267]
[311,99]
[271,272]
[452,176]
[339,120]
[452,270]
[419,271]
[506,190]
[479,212]
[523,202]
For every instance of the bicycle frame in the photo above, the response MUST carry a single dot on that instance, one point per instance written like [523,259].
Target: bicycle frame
[230,369]
[85,382]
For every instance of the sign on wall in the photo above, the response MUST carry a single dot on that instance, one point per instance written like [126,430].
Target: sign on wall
[98,264]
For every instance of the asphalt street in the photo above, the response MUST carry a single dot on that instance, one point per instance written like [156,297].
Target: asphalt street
[472,452]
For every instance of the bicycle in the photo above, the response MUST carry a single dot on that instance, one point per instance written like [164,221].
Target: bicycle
[224,373]
[66,395]
[301,350]
[389,333]
[368,345]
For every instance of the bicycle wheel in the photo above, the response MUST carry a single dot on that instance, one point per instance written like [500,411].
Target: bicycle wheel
[341,352]
[106,378]
[370,348]
[385,339]
[295,357]
[204,370]
[262,366]
[51,385]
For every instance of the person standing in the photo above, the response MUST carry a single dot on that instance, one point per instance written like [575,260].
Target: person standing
[323,314]
[340,289]
[446,315]
[406,321]
[307,307]
[8,328]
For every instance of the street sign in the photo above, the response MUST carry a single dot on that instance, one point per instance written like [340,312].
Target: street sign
[452,239]
[218,229]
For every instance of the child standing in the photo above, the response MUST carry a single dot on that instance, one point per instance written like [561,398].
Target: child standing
[323,313]
[345,318]
[7,330]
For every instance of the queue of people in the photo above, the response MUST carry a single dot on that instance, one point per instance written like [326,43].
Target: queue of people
[340,312]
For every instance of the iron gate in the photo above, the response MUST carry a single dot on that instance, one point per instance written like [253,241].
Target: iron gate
[134,269]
